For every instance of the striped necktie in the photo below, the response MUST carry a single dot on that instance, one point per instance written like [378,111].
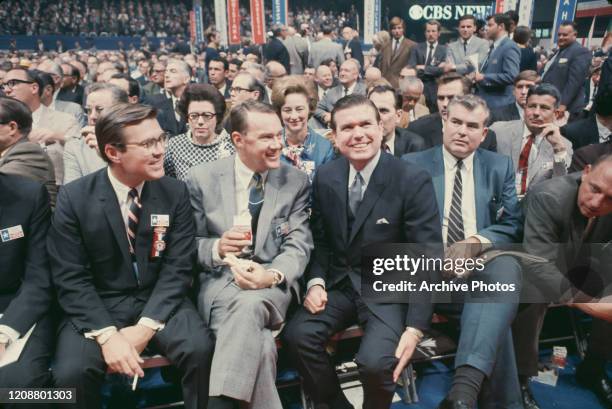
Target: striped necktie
[256,199]
[455,230]
[132,226]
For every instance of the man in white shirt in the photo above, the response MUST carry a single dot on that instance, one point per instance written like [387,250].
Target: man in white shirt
[254,243]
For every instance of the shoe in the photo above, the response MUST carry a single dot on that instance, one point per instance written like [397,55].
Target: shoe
[453,404]
[599,385]
[529,401]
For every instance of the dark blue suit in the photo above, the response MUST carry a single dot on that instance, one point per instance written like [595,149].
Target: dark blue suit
[485,342]
[499,70]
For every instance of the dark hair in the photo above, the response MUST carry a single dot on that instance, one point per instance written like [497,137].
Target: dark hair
[545,89]
[351,101]
[221,60]
[468,17]
[513,15]
[383,89]
[453,76]
[603,101]
[396,21]
[569,23]
[12,109]
[254,84]
[133,85]
[501,18]
[74,71]
[210,36]
[32,76]
[522,35]
[45,79]
[110,126]
[602,159]
[293,84]
[236,62]
[202,92]
[239,114]
[471,102]
[326,29]
[433,22]
[527,75]
[328,62]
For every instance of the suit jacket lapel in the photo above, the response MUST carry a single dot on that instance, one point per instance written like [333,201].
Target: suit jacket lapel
[112,211]
[517,141]
[375,188]
[437,178]
[144,238]
[479,192]
[228,197]
[271,188]
[339,186]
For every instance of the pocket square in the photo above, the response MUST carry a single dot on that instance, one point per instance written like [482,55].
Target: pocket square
[382,221]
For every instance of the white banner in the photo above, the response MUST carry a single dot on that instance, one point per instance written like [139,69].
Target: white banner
[510,5]
[371,19]
[525,12]
[221,20]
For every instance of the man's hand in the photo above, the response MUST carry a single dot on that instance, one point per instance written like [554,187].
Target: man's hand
[252,276]
[403,352]
[447,67]
[89,134]
[553,136]
[121,356]
[45,136]
[420,67]
[2,350]
[138,335]
[478,77]
[327,118]
[464,249]
[233,241]
[316,299]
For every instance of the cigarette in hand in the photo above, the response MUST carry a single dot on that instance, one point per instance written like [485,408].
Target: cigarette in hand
[134,382]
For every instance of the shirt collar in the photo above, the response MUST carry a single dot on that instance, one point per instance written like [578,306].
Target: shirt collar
[604,133]
[366,172]
[434,45]
[120,189]
[244,175]
[497,42]
[390,143]
[527,132]
[450,162]
[351,89]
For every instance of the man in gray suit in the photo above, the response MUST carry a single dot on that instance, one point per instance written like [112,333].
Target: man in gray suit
[325,48]
[18,156]
[495,80]
[349,84]
[253,245]
[460,52]
[298,51]
[57,74]
[81,155]
[537,149]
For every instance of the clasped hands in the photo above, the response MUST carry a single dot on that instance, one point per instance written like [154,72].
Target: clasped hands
[122,350]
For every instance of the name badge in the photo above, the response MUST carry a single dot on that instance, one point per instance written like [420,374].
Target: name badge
[11,233]
[562,60]
[160,220]
[282,229]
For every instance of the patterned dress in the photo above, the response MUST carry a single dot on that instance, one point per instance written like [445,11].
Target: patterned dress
[183,153]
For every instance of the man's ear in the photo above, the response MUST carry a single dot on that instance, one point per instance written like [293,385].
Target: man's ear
[237,138]
[112,153]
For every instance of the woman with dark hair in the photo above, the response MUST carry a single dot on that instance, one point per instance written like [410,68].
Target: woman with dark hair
[303,148]
[203,108]
[529,59]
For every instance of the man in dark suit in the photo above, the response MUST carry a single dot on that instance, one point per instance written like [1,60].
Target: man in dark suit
[366,196]
[568,69]
[177,76]
[426,58]
[19,156]
[565,216]
[513,111]
[25,283]
[122,248]
[71,90]
[588,155]
[475,192]
[275,50]
[217,76]
[430,126]
[352,47]
[395,55]
[594,128]
[496,76]
[396,141]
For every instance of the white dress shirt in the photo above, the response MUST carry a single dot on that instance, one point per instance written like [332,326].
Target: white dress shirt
[390,143]
[602,130]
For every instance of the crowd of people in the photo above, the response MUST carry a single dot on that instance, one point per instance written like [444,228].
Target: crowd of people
[180,203]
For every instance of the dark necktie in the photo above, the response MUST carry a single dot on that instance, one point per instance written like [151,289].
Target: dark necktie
[256,199]
[465,44]
[523,163]
[395,47]
[355,193]
[455,230]
[346,90]
[132,225]
[486,61]
[429,59]
[386,148]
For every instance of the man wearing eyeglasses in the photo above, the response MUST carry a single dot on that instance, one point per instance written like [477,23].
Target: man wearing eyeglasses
[121,250]
[50,128]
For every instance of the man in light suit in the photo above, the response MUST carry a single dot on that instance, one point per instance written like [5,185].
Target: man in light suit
[298,51]
[568,69]
[537,149]
[479,209]
[353,197]
[567,220]
[325,49]
[57,75]
[122,246]
[468,44]
[26,292]
[51,129]
[82,155]
[395,55]
[496,76]
[19,156]
[349,85]
[245,299]
[426,57]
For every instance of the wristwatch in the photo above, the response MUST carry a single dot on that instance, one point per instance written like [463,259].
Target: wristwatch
[277,278]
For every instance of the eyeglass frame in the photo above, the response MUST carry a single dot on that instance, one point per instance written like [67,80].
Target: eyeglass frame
[15,82]
[148,144]
[202,114]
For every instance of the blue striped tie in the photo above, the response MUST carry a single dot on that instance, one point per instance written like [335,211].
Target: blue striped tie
[455,230]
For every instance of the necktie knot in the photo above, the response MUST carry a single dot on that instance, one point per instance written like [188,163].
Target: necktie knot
[133,194]
[459,164]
